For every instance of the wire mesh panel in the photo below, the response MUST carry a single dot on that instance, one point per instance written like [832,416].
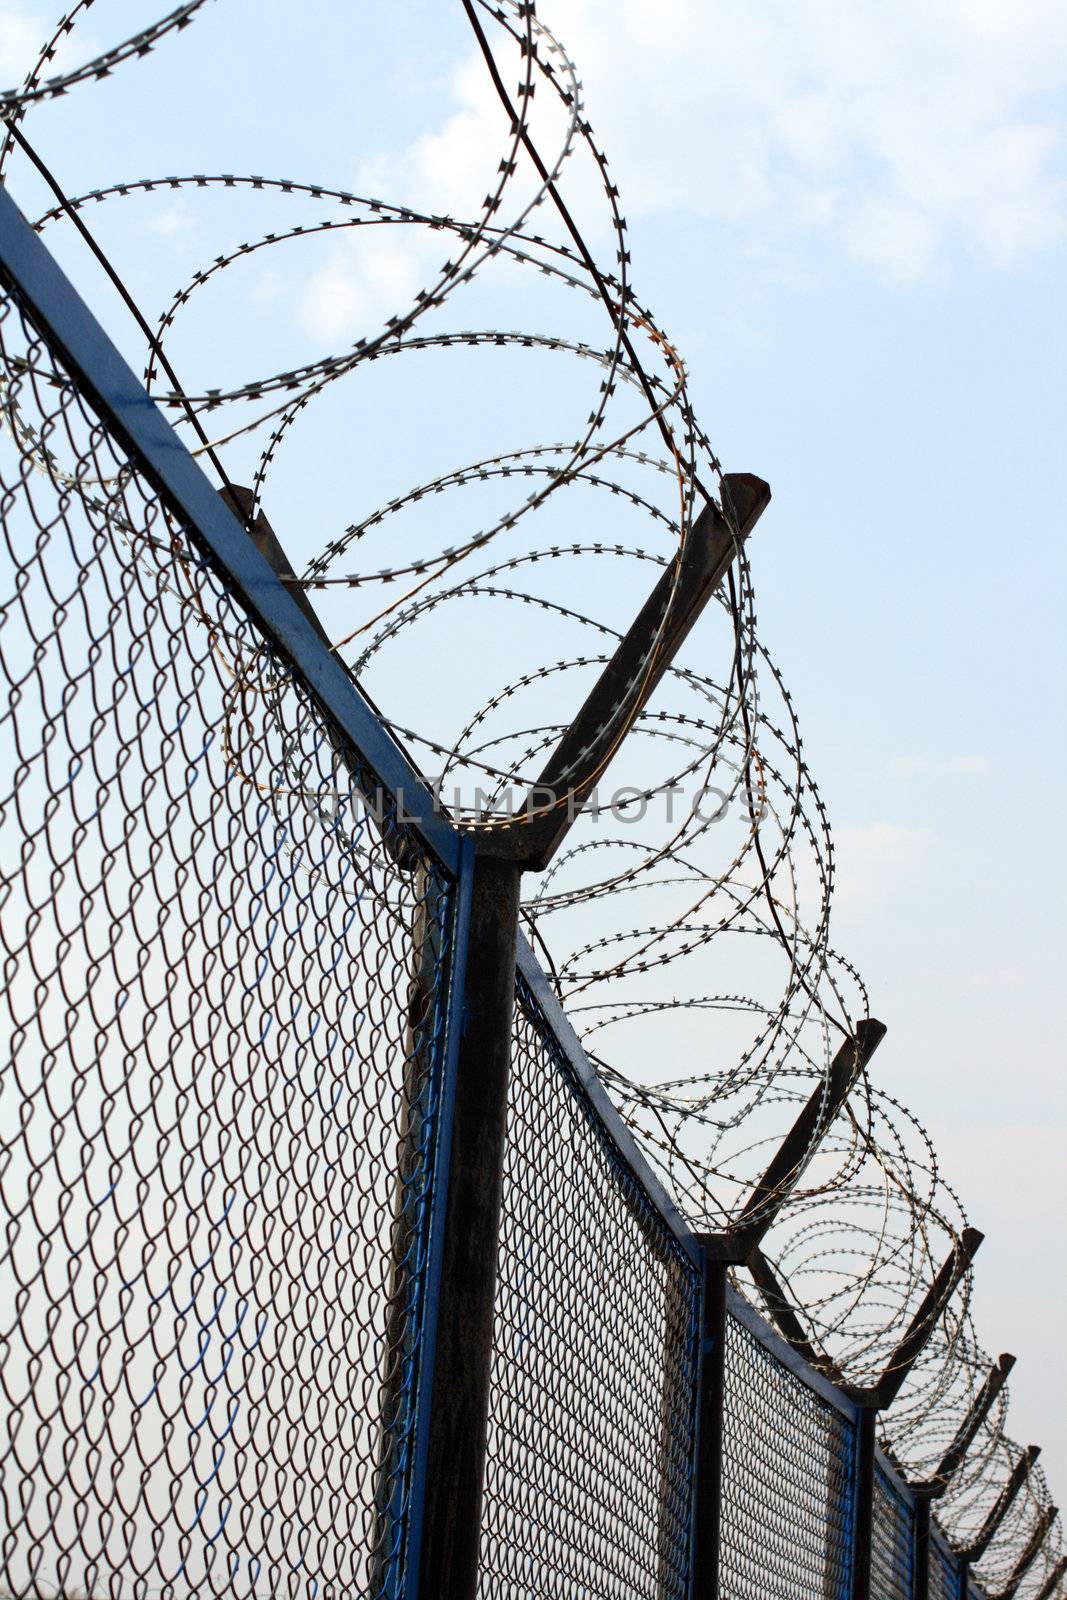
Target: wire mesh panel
[224,1003]
[787,1476]
[944,1571]
[892,1541]
[593,1381]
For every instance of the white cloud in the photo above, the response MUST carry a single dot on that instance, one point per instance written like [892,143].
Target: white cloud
[452,169]
[926,119]
[893,133]
[877,861]
[24,33]
[939,767]
[373,275]
[449,170]
[21,37]
[173,220]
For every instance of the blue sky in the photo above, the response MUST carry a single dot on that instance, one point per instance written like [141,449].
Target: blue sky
[851,219]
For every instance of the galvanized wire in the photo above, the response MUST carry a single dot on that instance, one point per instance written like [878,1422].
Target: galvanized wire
[892,1541]
[788,1464]
[709,928]
[225,1013]
[592,1398]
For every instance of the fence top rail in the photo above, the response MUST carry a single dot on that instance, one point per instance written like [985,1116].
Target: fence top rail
[122,403]
[782,1352]
[606,1113]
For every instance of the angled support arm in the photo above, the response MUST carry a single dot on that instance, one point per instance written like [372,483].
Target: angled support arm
[798,1147]
[925,1319]
[953,1458]
[1052,1582]
[629,679]
[240,500]
[783,1315]
[1005,1500]
[1029,1555]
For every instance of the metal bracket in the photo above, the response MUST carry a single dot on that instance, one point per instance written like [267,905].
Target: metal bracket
[952,1460]
[1029,1555]
[1005,1500]
[924,1321]
[629,679]
[738,1242]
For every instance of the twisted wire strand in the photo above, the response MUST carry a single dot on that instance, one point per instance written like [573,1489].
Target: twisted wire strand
[713,929]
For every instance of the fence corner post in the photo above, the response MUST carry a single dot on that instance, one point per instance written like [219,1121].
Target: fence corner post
[457,1408]
[921,1585]
[707,1488]
[863,1512]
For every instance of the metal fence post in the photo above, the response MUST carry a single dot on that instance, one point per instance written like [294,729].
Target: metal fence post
[707,1487]
[863,1514]
[456,1410]
[921,1546]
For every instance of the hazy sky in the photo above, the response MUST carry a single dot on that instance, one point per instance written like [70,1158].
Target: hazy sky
[851,218]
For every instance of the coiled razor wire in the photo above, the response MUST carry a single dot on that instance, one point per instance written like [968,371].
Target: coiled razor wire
[706,923]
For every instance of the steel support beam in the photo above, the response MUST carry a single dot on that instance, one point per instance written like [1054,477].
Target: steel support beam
[921,1545]
[1029,1555]
[782,1313]
[630,678]
[707,1486]
[924,1321]
[1052,1582]
[863,1509]
[402,853]
[953,1458]
[463,1345]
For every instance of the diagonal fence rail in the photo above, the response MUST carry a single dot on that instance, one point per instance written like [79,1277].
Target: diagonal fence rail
[274,1041]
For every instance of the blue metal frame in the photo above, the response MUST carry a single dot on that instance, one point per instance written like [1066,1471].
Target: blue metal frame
[785,1356]
[940,1548]
[60,314]
[435,1247]
[901,1490]
[633,1166]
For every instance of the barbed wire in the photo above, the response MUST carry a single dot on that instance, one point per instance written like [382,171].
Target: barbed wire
[704,925]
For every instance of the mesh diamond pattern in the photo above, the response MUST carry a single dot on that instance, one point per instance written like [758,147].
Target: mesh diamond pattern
[224,1010]
[593,1377]
[786,1486]
[892,1541]
[944,1572]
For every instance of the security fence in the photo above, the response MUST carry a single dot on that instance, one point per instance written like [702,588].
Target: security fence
[330,1268]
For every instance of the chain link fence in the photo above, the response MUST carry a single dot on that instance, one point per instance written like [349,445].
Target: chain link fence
[234,983]
[593,1378]
[892,1543]
[788,1459]
[224,998]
